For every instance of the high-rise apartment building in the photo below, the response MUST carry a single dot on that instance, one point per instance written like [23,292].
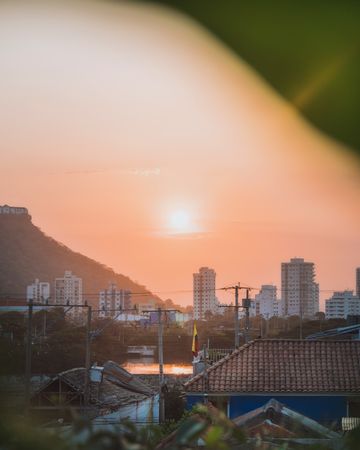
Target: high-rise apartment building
[300,292]
[341,305]
[68,291]
[204,293]
[357,289]
[38,292]
[266,303]
[113,300]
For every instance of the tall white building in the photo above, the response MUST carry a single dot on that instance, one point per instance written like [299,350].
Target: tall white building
[113,300]
[204,293]
[341,305]
[68,290]
[300,292]
[278,308]
[38,292]
[266,302]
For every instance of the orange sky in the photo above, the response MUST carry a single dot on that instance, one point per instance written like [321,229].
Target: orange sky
[115,118]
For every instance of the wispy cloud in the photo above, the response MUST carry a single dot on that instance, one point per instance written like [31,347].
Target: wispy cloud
[140,172]
[143,172]
[182,236]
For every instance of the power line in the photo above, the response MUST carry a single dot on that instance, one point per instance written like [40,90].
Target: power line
[180,291]
[145,294]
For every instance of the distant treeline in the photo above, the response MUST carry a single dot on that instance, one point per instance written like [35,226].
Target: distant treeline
[58,344]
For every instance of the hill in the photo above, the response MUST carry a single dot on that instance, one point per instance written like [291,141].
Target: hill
[27,253]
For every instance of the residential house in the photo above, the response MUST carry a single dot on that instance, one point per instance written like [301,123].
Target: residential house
[319,379]
[114,394]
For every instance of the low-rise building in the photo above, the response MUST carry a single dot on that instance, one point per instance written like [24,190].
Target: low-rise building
[181,318]
[150,305]
[341,305]
[6,209]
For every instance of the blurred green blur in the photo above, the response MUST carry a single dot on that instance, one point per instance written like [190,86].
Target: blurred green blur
[309,51]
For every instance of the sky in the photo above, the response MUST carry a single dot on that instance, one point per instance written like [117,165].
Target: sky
[135,137]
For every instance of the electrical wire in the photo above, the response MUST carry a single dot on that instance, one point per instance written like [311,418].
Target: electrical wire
[182,291]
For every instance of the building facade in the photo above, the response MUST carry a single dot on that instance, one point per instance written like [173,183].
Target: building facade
[38,292]
[113,300]
[341,305]
[357,289]
[266,303]
[68,291]
[150,305]
[300,292]
[205,300]
[6,209]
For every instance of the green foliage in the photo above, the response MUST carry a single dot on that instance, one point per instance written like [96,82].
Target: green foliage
[61,345]
[17,435]
[352,439]
[308,51]
[202,424]
[212,427]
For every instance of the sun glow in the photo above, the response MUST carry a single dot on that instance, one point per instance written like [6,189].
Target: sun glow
[180,222]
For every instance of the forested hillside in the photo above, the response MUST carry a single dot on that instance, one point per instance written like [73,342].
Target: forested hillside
[27,253]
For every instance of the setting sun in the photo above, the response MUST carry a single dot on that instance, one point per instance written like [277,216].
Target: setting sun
[146,159]
[180,222]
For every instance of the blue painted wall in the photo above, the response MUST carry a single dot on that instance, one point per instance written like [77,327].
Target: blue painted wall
[324,409]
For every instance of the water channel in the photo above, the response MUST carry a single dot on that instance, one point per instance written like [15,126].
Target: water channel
[147,366]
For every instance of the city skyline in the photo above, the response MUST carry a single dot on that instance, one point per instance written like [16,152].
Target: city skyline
[205,293]
[39,291]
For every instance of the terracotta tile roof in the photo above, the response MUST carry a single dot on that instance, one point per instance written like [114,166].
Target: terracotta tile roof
[276,365]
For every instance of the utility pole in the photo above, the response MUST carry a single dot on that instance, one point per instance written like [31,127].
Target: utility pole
[87,358]
[206,377]
[161,369]
[301,315]
[160,312]
[46,302]
[44,323]
[28,357]
[246,306]
[236,316]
